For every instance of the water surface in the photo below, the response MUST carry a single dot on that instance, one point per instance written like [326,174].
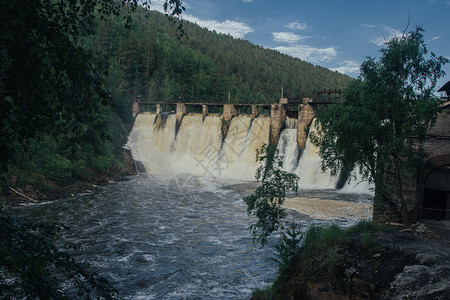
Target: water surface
[180,237]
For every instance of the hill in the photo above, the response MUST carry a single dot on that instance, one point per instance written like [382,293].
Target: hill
[152,61]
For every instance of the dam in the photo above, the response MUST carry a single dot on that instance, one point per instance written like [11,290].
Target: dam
[220,140]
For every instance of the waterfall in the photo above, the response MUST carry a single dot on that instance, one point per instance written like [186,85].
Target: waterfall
[238,155]
[310,171]
[199,148]
[288,147]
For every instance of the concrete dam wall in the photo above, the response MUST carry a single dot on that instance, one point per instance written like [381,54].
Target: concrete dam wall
[197,144]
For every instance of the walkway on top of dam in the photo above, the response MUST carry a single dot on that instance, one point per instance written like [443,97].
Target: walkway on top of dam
[302,109]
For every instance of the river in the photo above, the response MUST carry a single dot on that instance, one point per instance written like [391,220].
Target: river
[180,237]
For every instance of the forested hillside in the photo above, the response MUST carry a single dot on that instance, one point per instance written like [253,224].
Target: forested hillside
[153,62]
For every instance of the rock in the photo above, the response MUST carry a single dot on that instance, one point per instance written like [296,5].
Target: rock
[420,282]
[350,272]
[360,282]
[426,258]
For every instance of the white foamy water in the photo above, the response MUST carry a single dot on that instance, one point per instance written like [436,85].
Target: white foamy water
[199,148]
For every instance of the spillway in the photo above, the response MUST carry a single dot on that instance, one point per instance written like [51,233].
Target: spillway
[199,147]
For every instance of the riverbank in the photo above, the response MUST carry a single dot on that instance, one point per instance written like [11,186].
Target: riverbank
[329,209]
[371,265]
[50,190]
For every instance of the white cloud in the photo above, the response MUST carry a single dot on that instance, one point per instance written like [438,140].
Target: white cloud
[233,28]
[157,5]
[247,1]
[297,26]
[287,37]
[348,67]
[387,33]
[309,53]
[435,38]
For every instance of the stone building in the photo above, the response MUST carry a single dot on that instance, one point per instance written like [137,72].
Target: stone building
[445,89]
[427,193]
[433,193]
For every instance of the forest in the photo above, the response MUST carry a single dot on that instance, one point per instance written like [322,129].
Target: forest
[154,61]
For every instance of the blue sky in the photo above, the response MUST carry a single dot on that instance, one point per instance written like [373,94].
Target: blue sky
[338,35]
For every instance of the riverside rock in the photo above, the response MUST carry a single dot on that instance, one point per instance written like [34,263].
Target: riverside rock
[421,282]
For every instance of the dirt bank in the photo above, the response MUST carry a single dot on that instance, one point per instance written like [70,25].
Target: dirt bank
[329,209]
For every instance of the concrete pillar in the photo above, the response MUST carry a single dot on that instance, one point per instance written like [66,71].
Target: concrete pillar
[229,111]
[204,111]
[306,100]
[254,111]
[283,100]
[158,108]
[135,109]
[306,114]
[181,111]
[277,117]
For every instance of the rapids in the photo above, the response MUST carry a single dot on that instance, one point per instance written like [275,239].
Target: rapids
[175,237]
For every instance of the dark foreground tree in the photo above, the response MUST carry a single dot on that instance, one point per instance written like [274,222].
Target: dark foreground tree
[48,81]
[49,86]
[383,116]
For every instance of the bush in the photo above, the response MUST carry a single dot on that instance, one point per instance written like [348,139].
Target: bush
[321,238]
[266,294]
[367,226]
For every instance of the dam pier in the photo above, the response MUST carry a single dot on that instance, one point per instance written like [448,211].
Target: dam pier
[302,109]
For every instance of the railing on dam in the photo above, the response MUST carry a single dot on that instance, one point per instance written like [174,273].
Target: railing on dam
[304,110]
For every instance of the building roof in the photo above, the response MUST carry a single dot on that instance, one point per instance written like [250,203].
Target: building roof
[445,87]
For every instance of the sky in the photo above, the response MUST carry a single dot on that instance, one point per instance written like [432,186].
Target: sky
[336,34]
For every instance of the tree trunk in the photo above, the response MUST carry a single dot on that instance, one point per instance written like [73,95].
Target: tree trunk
[400,198]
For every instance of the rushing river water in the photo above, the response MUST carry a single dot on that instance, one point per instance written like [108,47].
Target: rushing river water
[157,237]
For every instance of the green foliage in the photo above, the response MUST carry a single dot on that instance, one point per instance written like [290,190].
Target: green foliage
[49,82]
[266,294]
[321,243]
[29,255]
[322,238]
[55,117]
[286,249]
[50,159]
[367,226]
[367,240]
[267,200]
[319,252]
[384,113]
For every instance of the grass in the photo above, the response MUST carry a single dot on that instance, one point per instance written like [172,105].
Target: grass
[265,294]
[320,246]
